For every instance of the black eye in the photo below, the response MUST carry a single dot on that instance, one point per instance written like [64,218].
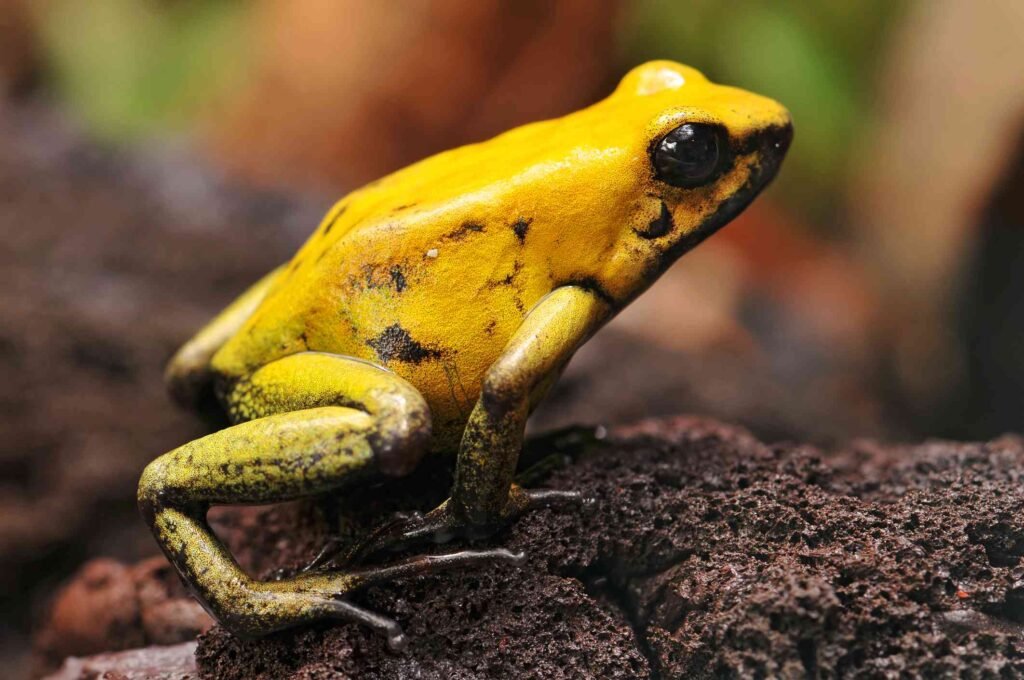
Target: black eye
[689,155]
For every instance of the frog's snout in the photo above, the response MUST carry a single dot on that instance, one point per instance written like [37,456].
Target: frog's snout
[772,144]
[779,138]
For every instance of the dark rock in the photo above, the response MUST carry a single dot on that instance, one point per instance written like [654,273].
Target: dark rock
[706,554]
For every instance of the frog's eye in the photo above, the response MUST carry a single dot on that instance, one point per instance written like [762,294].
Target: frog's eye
[689,155]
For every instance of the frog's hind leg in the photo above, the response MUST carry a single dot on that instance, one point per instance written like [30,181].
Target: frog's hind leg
[312,423]
[188,375]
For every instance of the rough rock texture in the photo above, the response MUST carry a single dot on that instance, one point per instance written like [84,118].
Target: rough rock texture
[706,554]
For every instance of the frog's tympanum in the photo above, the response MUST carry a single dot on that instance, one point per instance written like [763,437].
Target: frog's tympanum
[429,313]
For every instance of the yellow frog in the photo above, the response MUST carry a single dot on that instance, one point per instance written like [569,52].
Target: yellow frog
[430,312]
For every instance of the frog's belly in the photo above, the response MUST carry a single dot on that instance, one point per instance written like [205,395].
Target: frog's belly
[451,388]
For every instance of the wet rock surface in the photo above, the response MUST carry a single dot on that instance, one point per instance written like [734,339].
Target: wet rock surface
[705,554]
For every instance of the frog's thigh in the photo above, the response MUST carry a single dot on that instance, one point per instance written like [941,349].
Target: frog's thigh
[188,372]
[274,457]
[401,418]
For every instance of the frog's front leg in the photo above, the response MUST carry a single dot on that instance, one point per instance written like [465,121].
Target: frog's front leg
[483,496]
[313,423]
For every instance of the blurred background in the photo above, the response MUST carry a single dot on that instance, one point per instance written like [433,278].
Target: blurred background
[157,156]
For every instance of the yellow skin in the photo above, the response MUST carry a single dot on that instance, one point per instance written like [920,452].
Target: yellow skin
[429,313]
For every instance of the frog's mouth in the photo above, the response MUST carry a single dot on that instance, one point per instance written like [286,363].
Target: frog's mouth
[769,147]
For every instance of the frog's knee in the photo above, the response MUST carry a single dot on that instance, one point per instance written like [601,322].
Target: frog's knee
[403,431]
[187,377]
[152,489]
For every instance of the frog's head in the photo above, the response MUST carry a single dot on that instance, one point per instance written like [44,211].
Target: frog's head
[696,154]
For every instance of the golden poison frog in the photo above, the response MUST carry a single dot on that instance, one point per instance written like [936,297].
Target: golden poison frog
[429,313]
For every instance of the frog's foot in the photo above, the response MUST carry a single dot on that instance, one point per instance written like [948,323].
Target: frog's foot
[336,545]
[443,524]
[331,586]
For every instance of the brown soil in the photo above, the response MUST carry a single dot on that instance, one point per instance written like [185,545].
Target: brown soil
[706,554]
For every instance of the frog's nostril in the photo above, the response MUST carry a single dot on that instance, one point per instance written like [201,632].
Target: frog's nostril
[774,142]
[770,145]
[777,138]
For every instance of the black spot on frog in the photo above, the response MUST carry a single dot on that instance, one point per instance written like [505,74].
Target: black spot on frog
[396,344]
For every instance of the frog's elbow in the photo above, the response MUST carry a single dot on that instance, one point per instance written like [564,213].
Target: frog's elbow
[503,388]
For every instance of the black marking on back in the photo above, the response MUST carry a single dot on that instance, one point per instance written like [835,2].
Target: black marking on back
[330,225]
[506,280]
[521,226]
[465,230]
[395,344]
[398,278]
[375,276]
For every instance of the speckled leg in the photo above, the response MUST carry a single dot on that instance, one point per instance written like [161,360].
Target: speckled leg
[311,423]
[483,496]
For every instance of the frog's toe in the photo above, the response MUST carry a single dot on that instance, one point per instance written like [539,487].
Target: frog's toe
[555,498]
[429,564]
[408,530]
[442,524]
[327,592]
[325,556]
[422,565]
[382,625]
[522,500]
